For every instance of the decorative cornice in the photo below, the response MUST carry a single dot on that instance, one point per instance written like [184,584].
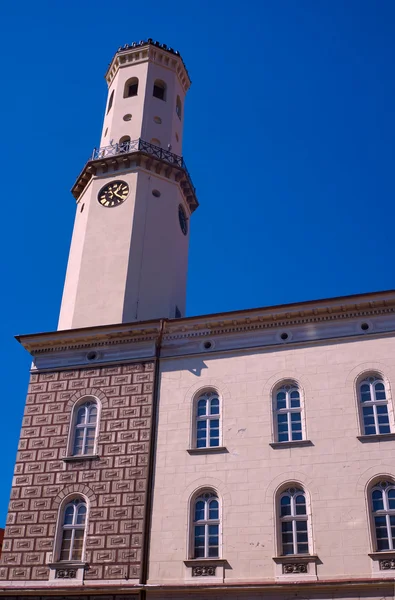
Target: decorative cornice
[246,326]
[149,50]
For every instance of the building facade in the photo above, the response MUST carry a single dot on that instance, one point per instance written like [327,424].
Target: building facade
[238,455]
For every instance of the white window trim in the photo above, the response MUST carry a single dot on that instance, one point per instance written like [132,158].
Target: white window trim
[278,537]
[71,436]
[361,379]
[387,512]
[59,530]
[195,418]
[191,526]
[288,411]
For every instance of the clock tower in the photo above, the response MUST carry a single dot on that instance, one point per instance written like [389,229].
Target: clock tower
[129,250]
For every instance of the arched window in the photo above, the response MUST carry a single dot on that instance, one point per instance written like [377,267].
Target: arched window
[383,512]
[111,100]
[131,88]
[373,400]
[293,521]
[288,413]
[206,522]
[73,530]
[207,417]
[84,428]
[179,107]
[159,90]
[124,143]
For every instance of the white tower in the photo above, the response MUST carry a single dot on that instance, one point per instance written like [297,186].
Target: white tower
[129,250]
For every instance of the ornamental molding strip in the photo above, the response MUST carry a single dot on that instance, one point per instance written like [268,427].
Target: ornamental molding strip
[295,567]
[145,50]
[387,564]
[204,571]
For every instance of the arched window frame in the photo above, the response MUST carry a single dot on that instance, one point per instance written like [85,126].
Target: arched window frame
[293,490]
[179,107]
[209,418]
[131,88]
[365,415]
[110,102]
[282,417]
[77,501]
[124,143]
[74,427]
[386,485]
[159,90]
[209,521]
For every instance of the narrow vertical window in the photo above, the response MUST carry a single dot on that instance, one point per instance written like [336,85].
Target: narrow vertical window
[85,428]
[159,90]
[131,88]
[207,418]
[206,526]
[374,405]
[288,413]
[293,521]
[73,530]
[124,144]
[179,107]
[111,100]
[383,509]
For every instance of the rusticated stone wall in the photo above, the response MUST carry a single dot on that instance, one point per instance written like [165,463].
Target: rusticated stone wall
[115,482]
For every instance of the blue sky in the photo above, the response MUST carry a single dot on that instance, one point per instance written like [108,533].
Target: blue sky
[289,138]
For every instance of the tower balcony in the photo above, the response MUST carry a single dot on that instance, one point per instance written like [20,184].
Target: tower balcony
[139,153]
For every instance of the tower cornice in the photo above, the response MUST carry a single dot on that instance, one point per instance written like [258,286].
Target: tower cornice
[138,153]
[144,50]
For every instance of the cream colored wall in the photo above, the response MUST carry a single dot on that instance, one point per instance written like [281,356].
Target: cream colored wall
[335,470]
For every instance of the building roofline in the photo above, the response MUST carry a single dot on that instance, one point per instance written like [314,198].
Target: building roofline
[138,330]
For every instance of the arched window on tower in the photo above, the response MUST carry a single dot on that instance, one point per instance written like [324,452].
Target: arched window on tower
[73,522]
[205,525]
[111,100]
[374,405]
[159,90]
[293,519]
[383,514]
[124,143]
[179,107]
[131,88]
[84,424]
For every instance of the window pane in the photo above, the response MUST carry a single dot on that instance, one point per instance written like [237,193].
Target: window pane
[300,502]
[199,513]
[213,512]
[382,409]
[81,514]
[213,552]
[285,507]
[81,415]
[214,409]
[295,399]
[201,407]
[303,548]
[281,403]
[391,501]
[365,392]
[377,500]
[68,515]
[92,415]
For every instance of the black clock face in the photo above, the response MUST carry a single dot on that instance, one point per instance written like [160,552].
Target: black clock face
[183,219]
[113,194]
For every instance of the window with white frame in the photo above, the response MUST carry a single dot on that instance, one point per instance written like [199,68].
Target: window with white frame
[288,413]
[383,513]
[207,416]
[374,406]
[206,524]
[293,522]
[84,428]
[73,530]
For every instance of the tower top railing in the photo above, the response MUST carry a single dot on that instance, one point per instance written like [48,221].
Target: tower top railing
[139,145]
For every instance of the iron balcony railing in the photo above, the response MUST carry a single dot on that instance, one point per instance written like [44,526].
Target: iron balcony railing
[142,146]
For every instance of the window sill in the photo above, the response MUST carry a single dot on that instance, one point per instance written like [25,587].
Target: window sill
[193,562]
[208,450]
[293,444]
[81,457]
[382,555]
[377,437]
[296,557]
[62,564]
